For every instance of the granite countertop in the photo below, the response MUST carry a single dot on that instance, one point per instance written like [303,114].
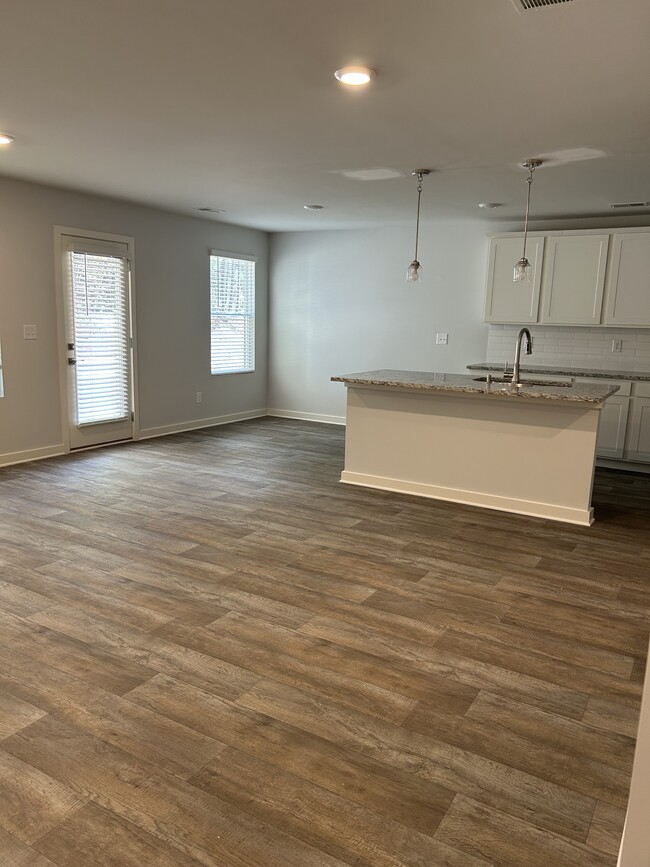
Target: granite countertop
[635,376]
[464,383]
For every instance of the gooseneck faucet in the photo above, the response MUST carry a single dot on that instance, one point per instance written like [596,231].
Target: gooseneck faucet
[529,348]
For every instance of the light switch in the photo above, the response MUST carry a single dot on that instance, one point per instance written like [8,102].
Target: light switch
[29,332]
[442,339]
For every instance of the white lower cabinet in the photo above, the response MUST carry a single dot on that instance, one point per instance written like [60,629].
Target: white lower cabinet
[612,427]
[624,426]
[637,447]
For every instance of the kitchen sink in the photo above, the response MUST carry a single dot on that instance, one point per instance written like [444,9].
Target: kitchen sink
[554,382]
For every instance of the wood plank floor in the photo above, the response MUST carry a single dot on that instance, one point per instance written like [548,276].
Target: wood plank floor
[212,653]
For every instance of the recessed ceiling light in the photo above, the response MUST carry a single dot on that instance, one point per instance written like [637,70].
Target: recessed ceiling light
[313,207]
[355,75]
[5,139]
[489,205]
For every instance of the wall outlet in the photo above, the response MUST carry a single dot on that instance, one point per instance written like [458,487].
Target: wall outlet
[442,339]
[29,332]
[199,397]
[617,345]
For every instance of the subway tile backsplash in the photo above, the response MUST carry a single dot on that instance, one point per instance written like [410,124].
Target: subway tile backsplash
[558,346]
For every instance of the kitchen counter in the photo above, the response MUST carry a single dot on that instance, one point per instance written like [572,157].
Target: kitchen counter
[627,375]
[530,451]
[464,383]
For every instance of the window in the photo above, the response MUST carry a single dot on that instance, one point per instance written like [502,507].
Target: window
[232,313]
[2,390]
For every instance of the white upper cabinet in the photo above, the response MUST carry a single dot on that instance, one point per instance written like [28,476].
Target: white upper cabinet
[574,279]
[579,278]
[628,285]
[506,301]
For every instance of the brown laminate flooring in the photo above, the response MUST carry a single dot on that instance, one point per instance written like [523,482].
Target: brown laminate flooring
[213,653]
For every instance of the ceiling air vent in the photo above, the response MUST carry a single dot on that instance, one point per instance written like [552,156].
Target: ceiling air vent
[527,5]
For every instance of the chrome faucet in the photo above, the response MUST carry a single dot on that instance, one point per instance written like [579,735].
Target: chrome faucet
[516,382]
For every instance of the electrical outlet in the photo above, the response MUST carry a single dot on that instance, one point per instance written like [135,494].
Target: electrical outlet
[199,397]
[442,339]
[29,332]
[617,345]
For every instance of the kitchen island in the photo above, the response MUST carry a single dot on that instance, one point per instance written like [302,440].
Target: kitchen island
[529,450]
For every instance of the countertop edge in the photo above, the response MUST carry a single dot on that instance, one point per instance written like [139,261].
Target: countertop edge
[464,386]
[625,375]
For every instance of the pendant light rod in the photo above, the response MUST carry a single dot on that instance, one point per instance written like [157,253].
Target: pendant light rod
[531,165]
[419,174]
[523,269]
[413,272]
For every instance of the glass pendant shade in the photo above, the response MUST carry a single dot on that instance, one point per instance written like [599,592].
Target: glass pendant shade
[523,272]
[413,272]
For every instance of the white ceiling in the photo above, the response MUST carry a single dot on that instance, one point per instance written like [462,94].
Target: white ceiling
[233,104]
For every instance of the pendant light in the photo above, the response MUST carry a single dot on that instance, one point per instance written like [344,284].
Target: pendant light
[523,269]
[413,271]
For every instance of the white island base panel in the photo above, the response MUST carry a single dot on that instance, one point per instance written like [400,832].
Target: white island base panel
[532,457]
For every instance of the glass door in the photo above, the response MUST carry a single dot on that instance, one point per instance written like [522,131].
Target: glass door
[98,341]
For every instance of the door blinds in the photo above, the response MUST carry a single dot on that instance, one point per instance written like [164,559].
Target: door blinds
[99,300]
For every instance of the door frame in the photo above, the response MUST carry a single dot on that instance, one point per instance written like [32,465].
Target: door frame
[88,235]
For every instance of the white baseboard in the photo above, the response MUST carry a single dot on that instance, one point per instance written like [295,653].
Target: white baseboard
[307,416]
[584,517]
[10,458]
[197,424]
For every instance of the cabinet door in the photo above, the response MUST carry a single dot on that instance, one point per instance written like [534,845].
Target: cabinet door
[612,427]
[506,301]
[628,284]
[638,441]
[574,279]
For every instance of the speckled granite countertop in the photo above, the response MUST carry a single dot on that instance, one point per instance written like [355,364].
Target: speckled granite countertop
[629,375]
[463,383]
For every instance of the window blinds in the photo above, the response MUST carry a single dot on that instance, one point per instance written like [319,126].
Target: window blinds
[101,337]
[232,314]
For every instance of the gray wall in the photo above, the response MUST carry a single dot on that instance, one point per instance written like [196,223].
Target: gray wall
[172,309]
[340,303]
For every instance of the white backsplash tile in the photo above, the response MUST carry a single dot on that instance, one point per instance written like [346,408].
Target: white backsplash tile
[557,346]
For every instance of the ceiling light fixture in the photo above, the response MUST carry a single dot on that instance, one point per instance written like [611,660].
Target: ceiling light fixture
[313,207]
[355,75]
[5,139]
[489,206]
[414,270]
[523,269]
